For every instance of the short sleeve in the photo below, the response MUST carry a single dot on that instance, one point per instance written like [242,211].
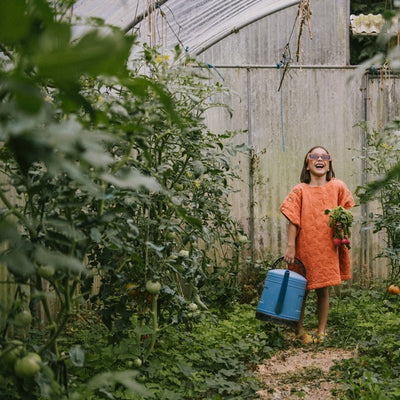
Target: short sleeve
[291,207]
[345,197]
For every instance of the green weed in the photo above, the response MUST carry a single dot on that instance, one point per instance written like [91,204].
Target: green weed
[215,359]
[366,319]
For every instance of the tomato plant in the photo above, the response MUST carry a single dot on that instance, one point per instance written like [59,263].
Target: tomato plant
[60,159]
[123,185]
[383,151]
[171,236]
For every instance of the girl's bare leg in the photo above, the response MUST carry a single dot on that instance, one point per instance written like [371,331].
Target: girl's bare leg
[300,327]
[323,308]
[301,333]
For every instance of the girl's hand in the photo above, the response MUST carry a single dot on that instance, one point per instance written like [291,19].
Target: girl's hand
[290,254]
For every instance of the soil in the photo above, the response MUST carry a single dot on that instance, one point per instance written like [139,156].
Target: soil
[301,372]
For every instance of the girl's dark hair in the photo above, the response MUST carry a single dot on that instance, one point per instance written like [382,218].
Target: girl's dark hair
[305,173]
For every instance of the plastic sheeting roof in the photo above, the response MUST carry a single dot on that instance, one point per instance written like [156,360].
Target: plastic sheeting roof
[194,24]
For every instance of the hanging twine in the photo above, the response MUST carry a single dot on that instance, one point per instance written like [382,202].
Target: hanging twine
[283,66]
[154,21]
[284,63]
[164,29]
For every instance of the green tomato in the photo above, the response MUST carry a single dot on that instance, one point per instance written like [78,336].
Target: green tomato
[28,366]
[153,287]
[141,378]
[23,319]
[46,271]
[171,235]
[137,362]
[35,356]
[10,354]
[47,372]
[242,239]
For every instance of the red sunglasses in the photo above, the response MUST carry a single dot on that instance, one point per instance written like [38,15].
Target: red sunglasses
[315,156]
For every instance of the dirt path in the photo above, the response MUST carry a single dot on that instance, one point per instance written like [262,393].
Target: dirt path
[301,372]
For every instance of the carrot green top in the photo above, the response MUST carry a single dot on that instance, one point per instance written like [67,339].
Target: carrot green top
[326,265]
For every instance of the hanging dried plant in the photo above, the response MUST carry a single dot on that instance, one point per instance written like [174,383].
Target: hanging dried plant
[303,16]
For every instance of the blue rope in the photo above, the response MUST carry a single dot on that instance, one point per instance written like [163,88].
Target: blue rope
[279,65]
[215,69]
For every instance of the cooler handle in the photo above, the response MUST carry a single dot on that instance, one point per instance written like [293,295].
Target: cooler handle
[296,261]
[282,292]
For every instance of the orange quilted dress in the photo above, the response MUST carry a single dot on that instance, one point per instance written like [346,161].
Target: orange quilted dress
[326,265]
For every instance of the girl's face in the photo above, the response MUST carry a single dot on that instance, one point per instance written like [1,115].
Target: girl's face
[318,161]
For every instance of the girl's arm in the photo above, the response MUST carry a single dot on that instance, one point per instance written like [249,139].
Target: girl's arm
[291,245]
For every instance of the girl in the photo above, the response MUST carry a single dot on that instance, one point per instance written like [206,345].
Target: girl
[309,236]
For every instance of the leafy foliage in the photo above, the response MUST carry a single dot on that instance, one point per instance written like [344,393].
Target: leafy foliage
[108,173]
[382,157]
[387,176]
[368,320]
[183,232]
[213,359]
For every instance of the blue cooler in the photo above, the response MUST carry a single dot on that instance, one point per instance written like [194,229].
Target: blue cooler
[283,295]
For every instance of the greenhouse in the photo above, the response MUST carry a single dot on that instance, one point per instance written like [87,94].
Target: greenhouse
[178,178]
[247,45]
